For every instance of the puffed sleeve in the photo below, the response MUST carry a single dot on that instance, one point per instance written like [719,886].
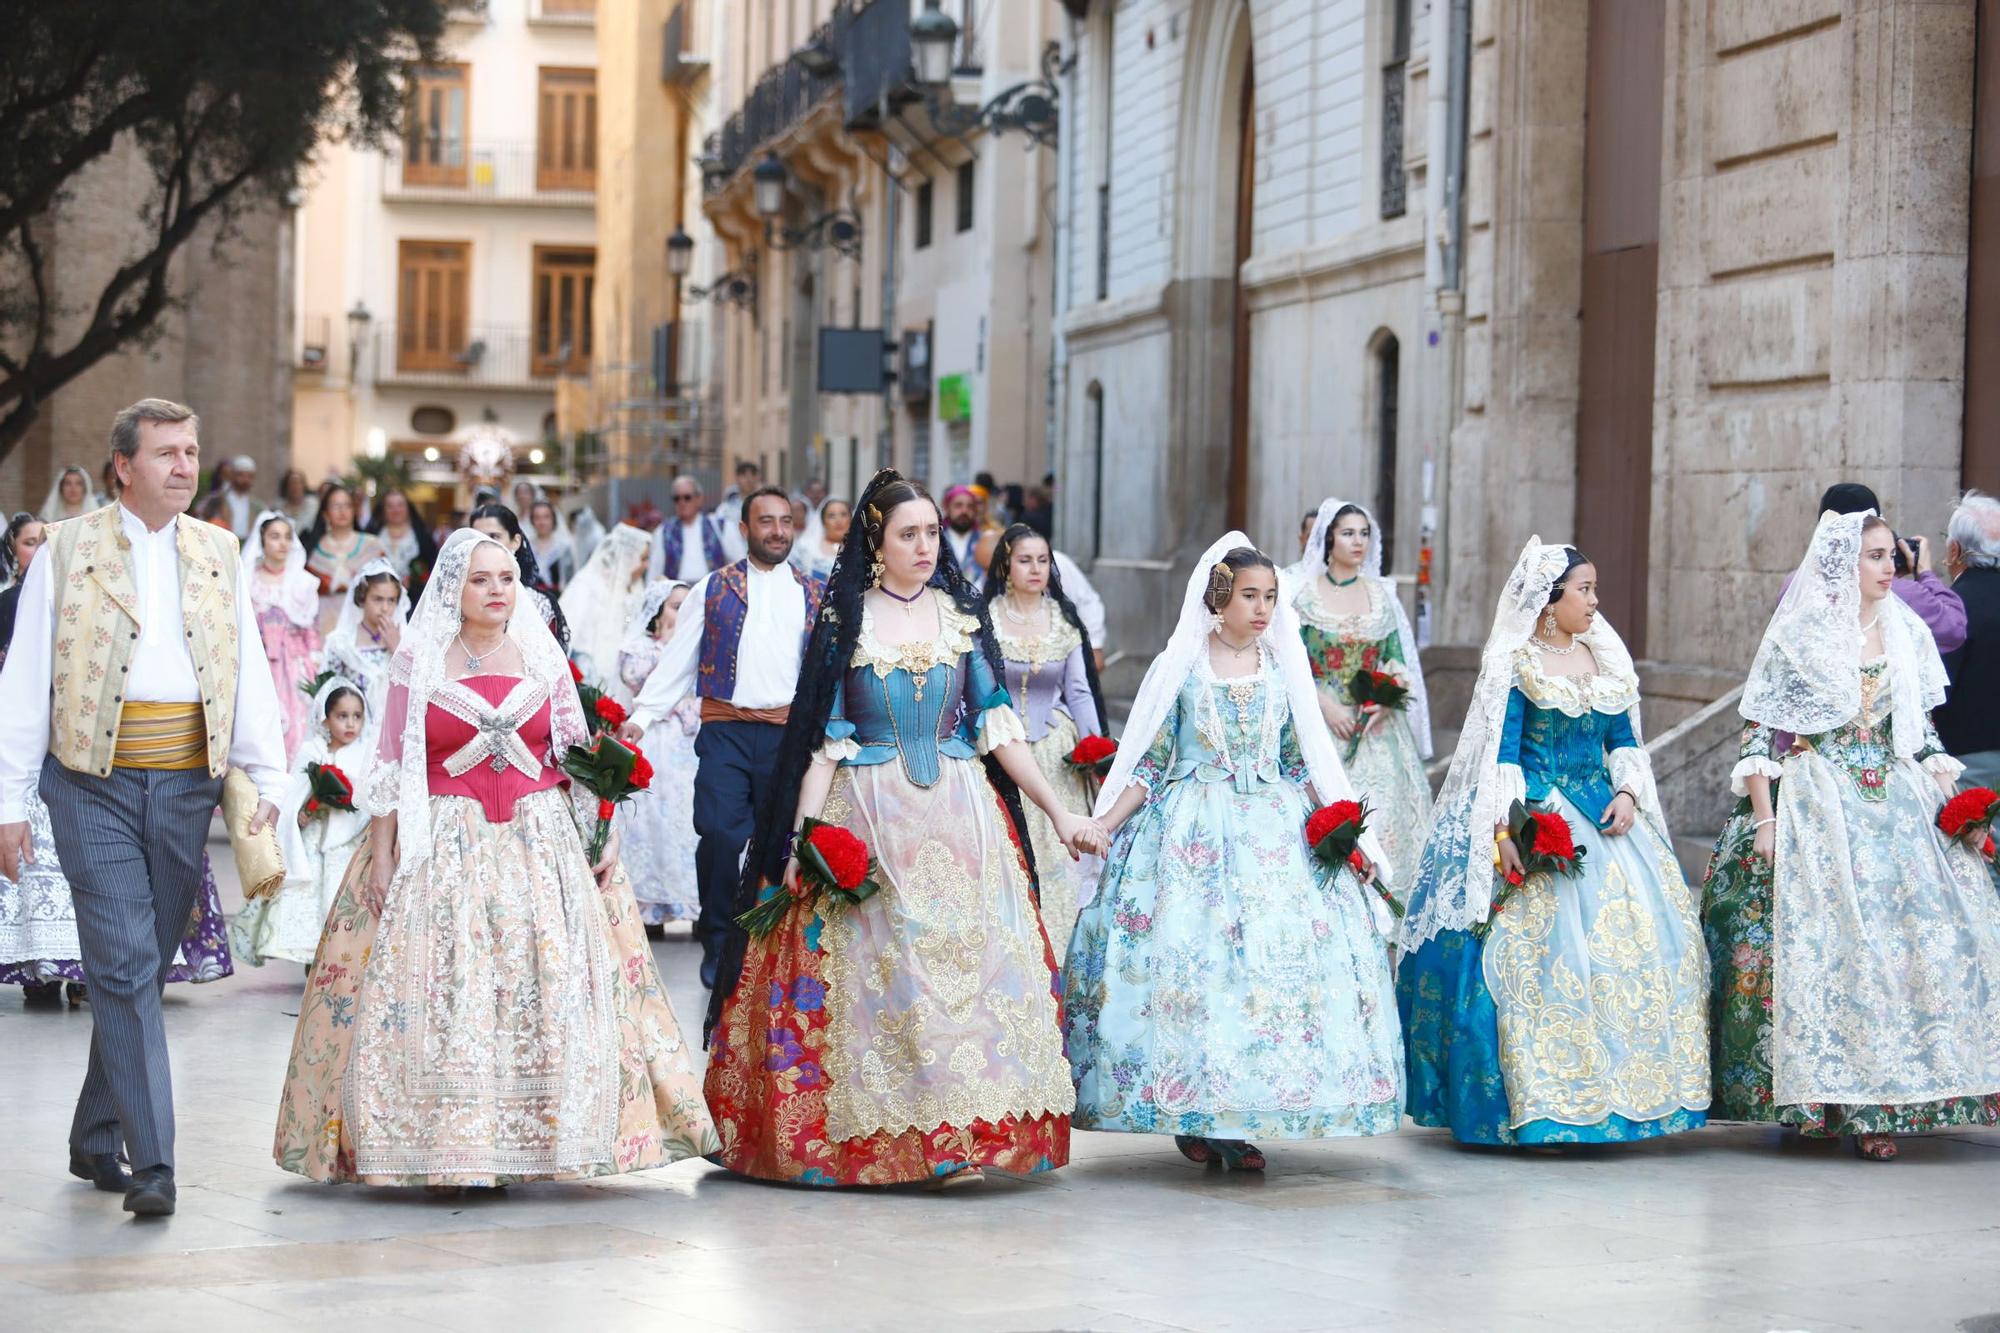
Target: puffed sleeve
[1933,757]
[1754,758]
[1631,767]
[1508,774]
[1077,698]
[1153,765]
[1292,759]
[385,779]
[995,723]
[839,743]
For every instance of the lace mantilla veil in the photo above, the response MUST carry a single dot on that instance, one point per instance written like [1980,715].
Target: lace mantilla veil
[639,630]
[400,783]
[1299,576]
[298,591]
[1458,854]
[1170,670]
[597,601]
[1806,677]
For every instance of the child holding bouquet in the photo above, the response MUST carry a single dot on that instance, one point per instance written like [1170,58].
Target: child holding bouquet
[1226,983]
[1371,685]
[1854,927]
[1552,988]
[319,829]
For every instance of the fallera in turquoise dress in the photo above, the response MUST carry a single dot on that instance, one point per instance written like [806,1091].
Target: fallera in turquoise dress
[1581,1016]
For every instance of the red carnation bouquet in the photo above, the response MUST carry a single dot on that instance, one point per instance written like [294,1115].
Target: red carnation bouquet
[1372,691]
[327,789]
[602,712]
[613,772]
[1093,755]
[1969,816]
[832,863]
[1547,847]
[1334,833]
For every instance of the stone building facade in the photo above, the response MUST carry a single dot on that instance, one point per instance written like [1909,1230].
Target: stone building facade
[1665,272]
[220,349]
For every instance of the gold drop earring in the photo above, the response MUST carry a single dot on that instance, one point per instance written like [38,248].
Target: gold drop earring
[1549,624]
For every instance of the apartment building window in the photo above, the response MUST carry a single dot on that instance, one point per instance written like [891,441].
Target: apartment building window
[569,7]
[965,197]
[433,283]
[1395,83]
[564,282]
[566,147]
[1388,393]
[434,146]
[924,193]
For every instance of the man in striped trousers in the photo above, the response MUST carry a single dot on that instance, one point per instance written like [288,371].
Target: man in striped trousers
[137,677]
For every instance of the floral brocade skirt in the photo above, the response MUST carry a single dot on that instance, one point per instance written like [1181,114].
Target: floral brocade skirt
[910,1035]
[1060,884]
[501,1021]
[1388,773]
[1223,984]
[1581,1016]
[1737,918]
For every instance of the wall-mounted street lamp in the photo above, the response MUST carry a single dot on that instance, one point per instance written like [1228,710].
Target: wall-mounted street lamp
[839,230]
[1030,107]
[680,253]
[358,320]
[732,288]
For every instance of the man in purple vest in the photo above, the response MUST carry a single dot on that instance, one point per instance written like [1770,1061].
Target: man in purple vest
[690,545]
[737,645]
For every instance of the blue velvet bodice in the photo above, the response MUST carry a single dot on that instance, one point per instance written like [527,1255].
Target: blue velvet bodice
[917,702]
[1559,730]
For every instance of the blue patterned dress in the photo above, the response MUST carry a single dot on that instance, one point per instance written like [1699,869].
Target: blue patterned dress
[1581,1015]
[1223,984]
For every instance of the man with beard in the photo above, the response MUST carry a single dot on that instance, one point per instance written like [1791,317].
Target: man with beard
[961,538]
[740,655]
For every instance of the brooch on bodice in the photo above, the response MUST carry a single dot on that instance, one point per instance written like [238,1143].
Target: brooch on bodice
[497,728]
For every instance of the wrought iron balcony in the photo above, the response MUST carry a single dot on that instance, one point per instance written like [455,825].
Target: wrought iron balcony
[444,354]
[433,169]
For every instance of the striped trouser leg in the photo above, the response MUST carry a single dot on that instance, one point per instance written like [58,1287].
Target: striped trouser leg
[130,845]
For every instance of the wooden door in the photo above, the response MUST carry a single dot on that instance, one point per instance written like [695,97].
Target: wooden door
[434,135]
[434,282]
[1621,253]
[565,282]
[566,147]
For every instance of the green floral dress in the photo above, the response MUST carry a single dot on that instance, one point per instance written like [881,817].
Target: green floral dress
[1739,919]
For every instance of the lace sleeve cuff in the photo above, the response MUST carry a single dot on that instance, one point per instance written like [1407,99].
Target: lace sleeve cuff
[837,749]
[1632,771]
[1942,765]
[1000,725]
[1510,784]
[1753,766]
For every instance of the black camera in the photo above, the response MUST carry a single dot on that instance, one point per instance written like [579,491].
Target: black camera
[1903,569]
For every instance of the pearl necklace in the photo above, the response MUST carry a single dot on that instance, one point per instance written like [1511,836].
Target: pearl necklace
[1875,620]
[1017,617]
[1548,647]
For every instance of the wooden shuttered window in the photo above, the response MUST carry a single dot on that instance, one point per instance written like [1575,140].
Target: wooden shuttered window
[565,281]
[566,144]
[432,299]
[435,124]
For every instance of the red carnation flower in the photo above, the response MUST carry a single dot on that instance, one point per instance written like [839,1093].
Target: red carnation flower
[845,855]
[1969,807]
[1552,835]
[1093,750]
[1330,817]
[610,711]
[334,772]
[642,772]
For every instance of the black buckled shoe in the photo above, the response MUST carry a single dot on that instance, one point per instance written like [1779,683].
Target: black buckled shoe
[152,1192]
[105,1170]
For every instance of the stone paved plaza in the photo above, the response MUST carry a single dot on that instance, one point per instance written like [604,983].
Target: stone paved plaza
[1731,1228]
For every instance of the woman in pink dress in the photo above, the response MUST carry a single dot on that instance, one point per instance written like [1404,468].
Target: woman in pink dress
[287,603]
[484,1007]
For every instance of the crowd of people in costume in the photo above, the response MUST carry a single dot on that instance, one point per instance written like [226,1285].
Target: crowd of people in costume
[944,917]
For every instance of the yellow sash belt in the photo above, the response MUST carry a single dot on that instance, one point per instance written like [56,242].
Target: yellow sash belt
[161,736]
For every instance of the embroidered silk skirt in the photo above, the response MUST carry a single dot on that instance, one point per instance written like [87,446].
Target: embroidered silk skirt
[501,1021]
[910,1035]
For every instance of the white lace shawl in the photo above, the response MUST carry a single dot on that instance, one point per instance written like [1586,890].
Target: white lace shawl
[400,782]
[1806,677]
[1478,790]
[298,591]
[599,600]
[1185,650]
[1299,576]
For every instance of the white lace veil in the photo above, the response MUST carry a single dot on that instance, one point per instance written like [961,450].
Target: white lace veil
[298,592]
[52,510]
[348,626]
[1457,865]
[1299,576]
[586,534]
[1806,677]
[319,706]
[400,783]
[599,600]
[562,545]
[638,632]
[1170,670]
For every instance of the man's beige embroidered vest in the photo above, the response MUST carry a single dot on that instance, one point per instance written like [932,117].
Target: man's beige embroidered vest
[96,605]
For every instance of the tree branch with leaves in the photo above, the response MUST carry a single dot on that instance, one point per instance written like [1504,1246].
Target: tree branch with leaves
[225,102]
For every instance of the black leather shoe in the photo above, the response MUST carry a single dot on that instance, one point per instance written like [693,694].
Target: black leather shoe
[105,1170]
[152,1192]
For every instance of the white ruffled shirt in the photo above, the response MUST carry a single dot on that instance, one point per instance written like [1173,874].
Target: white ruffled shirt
[767,658]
